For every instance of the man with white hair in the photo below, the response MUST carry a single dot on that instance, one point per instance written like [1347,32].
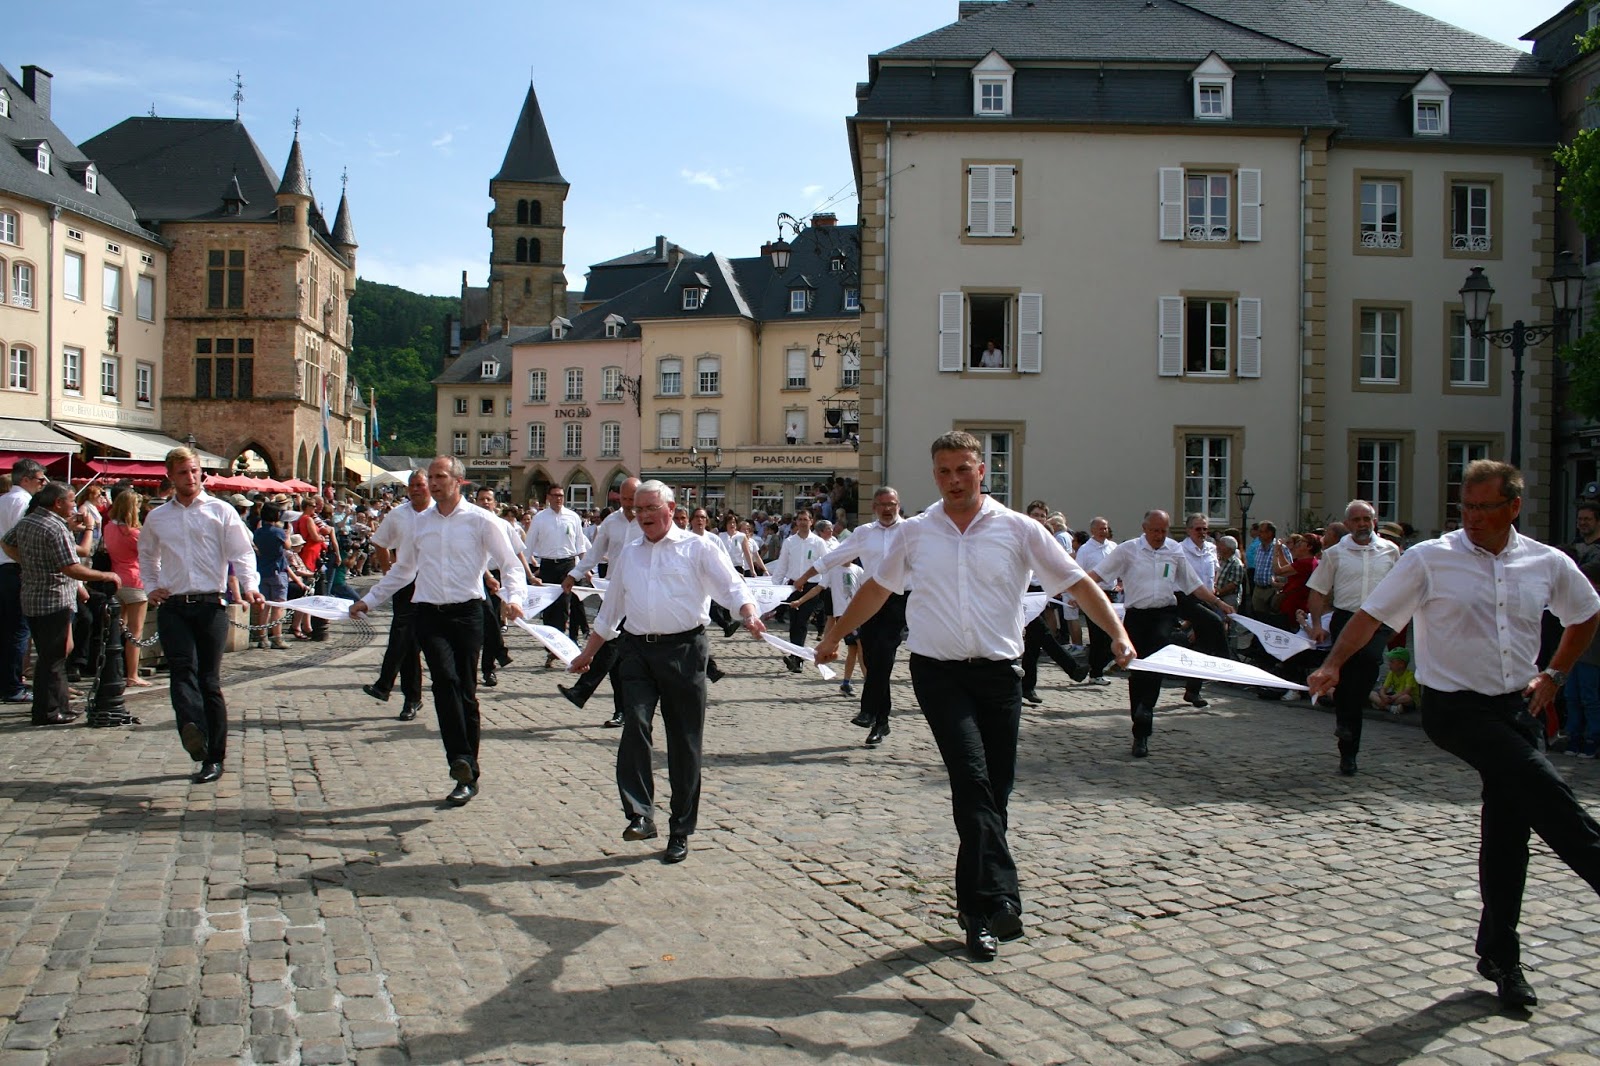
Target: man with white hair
[661,587]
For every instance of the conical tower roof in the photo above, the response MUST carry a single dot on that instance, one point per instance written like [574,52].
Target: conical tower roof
[529,156]
[294,173]
[343,232]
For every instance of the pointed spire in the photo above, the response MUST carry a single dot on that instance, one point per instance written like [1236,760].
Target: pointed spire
[529,156]
[296,182]
[344,234]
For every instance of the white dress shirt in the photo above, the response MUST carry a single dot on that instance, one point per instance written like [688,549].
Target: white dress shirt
[865,545]
[1151,577]
[187,550]
[842,582]
[667,586]
[1202,559]
[457,547]
[970,585]
[555,535]
[797,556]
[616,532]
[13,505]
[1350,571]
[1090,555]
[1477,614]
[397,526]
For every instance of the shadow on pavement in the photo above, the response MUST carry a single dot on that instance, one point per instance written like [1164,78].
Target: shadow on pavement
[1399,1041]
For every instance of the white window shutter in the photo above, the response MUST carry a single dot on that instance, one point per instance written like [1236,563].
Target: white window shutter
[1030,333]
[1172,203]
[1169,353]
[979,194]
[1003,202]
[952,354]
[1249,337]
[1249,205]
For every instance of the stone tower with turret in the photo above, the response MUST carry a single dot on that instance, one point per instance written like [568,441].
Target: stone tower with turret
[527,269]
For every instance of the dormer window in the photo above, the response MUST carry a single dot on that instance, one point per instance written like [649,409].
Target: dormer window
[614,324]
[799,301]
[1213,89]
[41,158]
[490,369]
[1430,107]
[91,179]
[5,104]
[559,327]
[852,299]
[695,293]
[991,86]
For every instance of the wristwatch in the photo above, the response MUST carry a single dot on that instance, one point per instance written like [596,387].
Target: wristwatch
[1558,676]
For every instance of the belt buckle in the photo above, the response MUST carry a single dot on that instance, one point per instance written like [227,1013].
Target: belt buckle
[652,638]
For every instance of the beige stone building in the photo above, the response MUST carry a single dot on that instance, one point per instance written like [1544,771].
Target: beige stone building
[1211,243]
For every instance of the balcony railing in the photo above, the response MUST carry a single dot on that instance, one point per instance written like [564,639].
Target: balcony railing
[1388,239]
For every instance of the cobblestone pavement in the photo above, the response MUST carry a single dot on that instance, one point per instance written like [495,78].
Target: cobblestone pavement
[1229,900]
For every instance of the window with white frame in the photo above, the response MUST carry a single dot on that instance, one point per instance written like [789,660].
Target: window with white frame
[1429,117]
[144,384]
[21,285]
[8,227]
[110,377]
[611,383]
[72,276]
[1380,346]
[1208,201]
[537,386]
[489,370]
[850,368]
[992,200]
[691,298]
[1381,224]
[42,158]
[1457,455]
[72,370]
[991,86]
[992,96]
[1470,204]
[91,179]
[794,426]
[707,429]
[1207,475]
[998,454]
[486,442]
[1210,99]
[461,405]
[614,325]
[580,493]
[852,299]
[669,430]
[799,301]
[145,298]
[19,368]
[1206,325]
[5,104]
[976,330]
[795,369]
[111,288]
[1378,476]
[1198,334]
[536,440]
[508,407]
[572,447]
[671,375]
[610,440]
[708,375]
[458,442]
[1209,205]
[574,392]
[1469,355]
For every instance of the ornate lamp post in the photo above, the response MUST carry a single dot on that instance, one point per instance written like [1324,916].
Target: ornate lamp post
[1246,496]
[706,461]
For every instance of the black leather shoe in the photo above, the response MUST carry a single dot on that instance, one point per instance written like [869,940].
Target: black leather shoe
[461,772]
[194,741]
[640,829]
[677,849]
[408,712]
[730,628]
[1032,697]
[864,720]
[490,679]
[981,942]
[1509,984]
[792,662]
[549,662]
[1144,720]
[1141,747]
[376,693]
[462,794]
[714,673]
[570,694]
[57,718]
[614,722]
[875,737]
[208,772]
[1005,922]
[1195,700]
[1347,766]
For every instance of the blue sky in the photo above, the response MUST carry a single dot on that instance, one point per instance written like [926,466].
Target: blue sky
[697,121]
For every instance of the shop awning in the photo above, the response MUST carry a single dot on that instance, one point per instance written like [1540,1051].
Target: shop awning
[31,439]
[9,459]
[137,444]
[358,465]
[144,468]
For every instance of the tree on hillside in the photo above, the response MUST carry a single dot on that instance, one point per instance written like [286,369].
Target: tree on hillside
[398,351]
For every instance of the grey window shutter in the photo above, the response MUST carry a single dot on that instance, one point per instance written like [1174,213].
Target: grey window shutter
[1171,203]
[1030,333]
[952,354]
[1169,352]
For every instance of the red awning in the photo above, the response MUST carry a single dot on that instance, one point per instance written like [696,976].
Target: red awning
[128,468]
[9,459]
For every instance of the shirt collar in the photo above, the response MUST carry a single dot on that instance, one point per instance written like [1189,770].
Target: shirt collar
[201,497]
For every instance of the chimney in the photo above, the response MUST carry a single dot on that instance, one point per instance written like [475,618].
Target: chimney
[824,219]
[36,83]
[661,247]
[505,326]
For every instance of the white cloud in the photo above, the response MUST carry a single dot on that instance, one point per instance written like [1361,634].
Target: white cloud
[810,193]
[440,142]
[432,277]
[701,177]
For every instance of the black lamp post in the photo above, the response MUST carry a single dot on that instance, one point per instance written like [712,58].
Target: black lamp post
[705,461]
[1566,290]
[1246,496]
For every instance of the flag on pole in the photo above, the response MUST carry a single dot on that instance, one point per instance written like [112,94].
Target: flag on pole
[327,447]
[372,405]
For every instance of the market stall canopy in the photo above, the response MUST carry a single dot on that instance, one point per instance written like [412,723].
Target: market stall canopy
[137,444]
[24,438]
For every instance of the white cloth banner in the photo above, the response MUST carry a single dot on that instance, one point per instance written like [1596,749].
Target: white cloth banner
[539,597]
[1033,605]
[556,642]
[1182,662]
[759,579]
[333,608]
[768,596]
[583,592]
[1120,610]
[1280,643]
[807,654]
[601,583]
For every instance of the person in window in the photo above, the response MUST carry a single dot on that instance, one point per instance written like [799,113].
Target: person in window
[992,358]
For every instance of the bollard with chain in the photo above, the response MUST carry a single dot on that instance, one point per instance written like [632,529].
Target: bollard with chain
[109,682]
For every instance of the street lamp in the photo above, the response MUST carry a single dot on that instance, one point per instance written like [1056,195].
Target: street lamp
[1477,295]
[1246,496]
[705,461]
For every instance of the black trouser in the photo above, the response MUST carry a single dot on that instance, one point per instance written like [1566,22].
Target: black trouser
[673,674]
[552,572]
[974,709]
[1150,630]
[193,634]
[401,655]
[1036,637]
[1497,737]
[13,630]
[83,625]
[451,638]
[1210,633]
[319,587]
[720,615]
[50,662]
[800,616]
[880,639]
[1099,645]
[493,654]
[1356,680]
[600,667]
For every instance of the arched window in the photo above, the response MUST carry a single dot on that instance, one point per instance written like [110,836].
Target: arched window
[522,212]
[533,249]
[522,249]
[535,213]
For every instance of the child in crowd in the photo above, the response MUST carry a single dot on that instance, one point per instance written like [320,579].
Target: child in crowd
[842,582]
[1398,692]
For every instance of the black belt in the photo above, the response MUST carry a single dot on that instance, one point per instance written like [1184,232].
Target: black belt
[213,598]
[446,606]
[667,638]
[972,661]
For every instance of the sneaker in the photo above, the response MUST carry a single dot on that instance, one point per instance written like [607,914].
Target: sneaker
[1101,680]
[1289,696]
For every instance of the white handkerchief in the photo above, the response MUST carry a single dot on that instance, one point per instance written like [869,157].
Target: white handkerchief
[1033,606]
[768,596]
[827,672]
[333,608]
[1182,662]
[556,642]
[539,597]
[583,592]
[1280,643]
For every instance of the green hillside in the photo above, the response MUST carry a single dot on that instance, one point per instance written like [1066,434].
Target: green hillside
[399,350]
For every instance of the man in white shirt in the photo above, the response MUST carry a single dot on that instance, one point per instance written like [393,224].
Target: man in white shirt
[186,548]
[27,478]
[1153,570]
[660,587]
[401,656]
[495,654]
[1210,632]
[1476,596]
[458,542]
[1346,575]
[800,551]
[616,531]
[1090,554]
[968,558]
[555,538]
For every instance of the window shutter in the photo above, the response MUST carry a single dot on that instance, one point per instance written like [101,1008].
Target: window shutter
[979,193]
[952,305]
[1169,354]
[1030,333]
[1249,337]
[1249,205]
[1003,202]
[1172,203]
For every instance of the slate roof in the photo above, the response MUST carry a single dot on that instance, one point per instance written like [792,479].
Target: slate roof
[295,181]
[176,169]
[529,156]
[468,367]
[1501,114]
[617,276]
[63,186]
[1555,39]
[343,231]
